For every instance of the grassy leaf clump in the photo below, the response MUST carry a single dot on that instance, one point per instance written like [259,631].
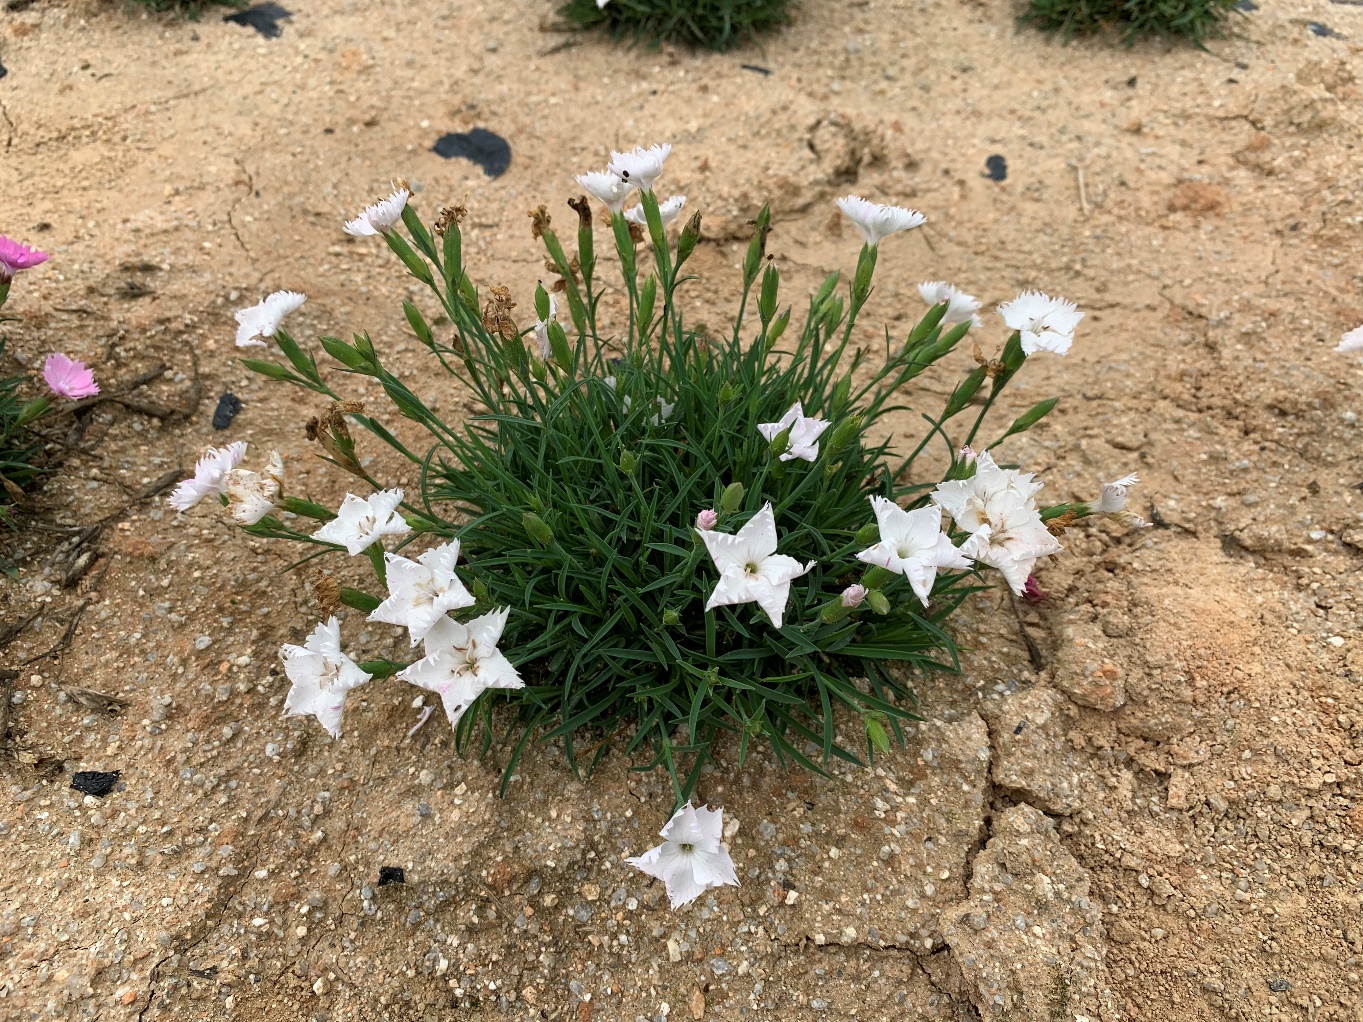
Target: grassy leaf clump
[709,24]
[1133,19]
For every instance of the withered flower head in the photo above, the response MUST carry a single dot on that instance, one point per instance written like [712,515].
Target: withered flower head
[327,592]
[497,313]
[539,221]
[333,433]
[1057,526]
[450,215]
[583,209]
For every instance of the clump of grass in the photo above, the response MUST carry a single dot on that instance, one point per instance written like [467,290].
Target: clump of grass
[186,8]
[710,24]
[1134,19]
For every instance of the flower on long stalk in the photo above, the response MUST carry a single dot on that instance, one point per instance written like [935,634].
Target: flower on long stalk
[1044,323]
[750,569]
[253,495]
[210,476]
[379,218]
[997,507]
[264,318]
[875,221]
[912,544]
[607,187]
[804,433]
[361,522]
[462,661]
[321,676]
[640,167]
[667,211]
[421,592]
[68,378]
[961,307]
[691,860]
[16,256]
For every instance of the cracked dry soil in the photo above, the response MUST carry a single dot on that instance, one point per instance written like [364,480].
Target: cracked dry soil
[1159,823]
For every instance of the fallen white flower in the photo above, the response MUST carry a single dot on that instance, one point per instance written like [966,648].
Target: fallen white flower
[421,592]
[667,211]
[1044,323]
[639,167]
[381,217]
[462,661]
[253,495]
[750,569]
[1352,341]
[961,307]
[210,476]
[360,522]
[264,318]
[875,221]
[912,544]
[691,860]
[321,675]
[804,433]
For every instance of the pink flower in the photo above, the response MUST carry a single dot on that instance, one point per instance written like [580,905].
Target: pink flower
[15,257]
[68,379]
[1032,592]
[705,521]
[968,455]
[853,595]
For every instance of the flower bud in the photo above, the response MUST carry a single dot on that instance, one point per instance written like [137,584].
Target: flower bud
[541,303]
[33,409]
[705,521]
[418,324]
[843,434]
[853,596]
[628,462]
[726,393]
[648,296]
[690,235]
[479,588]
[732,498]
[537,530]
[868,534]
[558,344]
[671,618]
[778,327]
[876,600]
[968,455]
[780,443]
[766,301]
[866,268]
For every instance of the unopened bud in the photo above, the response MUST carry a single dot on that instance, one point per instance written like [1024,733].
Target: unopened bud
[867,534]
[537,530]
[780,443]
[876,600]
[843,434]
[690,235]
[853,596]
[628,462]
[778,327]
[671,618]
[726,393]
[705,521]
[732,498]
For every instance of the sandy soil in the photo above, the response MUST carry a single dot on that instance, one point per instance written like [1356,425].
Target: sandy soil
[1198,717]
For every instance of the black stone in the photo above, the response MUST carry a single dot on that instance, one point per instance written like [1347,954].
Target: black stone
[764,71]
[1279,986]
[1325,31]
[1246,6]
[3,70]
[264,18]
[996,168]
[391,875]
[228,406]
[490,151]
[94,782]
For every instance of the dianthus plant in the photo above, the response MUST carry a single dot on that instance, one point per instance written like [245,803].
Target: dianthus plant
[653,537]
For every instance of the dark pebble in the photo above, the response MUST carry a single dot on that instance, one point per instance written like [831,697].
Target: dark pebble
[94,782]
[264,18]
[1324,31]
[391,875]
[1279,986]
[3,70]
[1246,6]
[488,150]
[228,406]
[996,168]
[754,68]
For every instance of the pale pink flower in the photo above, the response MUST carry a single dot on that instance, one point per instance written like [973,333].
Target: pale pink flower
[853,596]
[67,378]
[705,521]
[16,256]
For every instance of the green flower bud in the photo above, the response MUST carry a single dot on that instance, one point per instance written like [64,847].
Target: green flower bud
[307,509]
[732,498]
[418,324]
[766,302]
[825,290]
[468,293]
[537,530]
[843,434]
[868,534]
[780,443]
[690,235]
[833,612]
[876,600]
[558,344]
[726,393]
[648,296]
[671,618]
[342,352]
[628,462]
[778,327]
[33,409]
[876,576]
[541,302]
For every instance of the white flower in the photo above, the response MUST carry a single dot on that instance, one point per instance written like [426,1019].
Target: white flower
[961,307]
[804,433]
[667,211]
[912,544]
[542,330]
[462,660]
[875,221]
[263,320]
[750,569]
[664,411]
[360,523]
[381,217]
[640,167]
[853,596]
[1352,341]
[210,476]
[420,592]
[1045,323]
[607,187]
[1113,498]
[691,859]
[998,508]
[252,495]
[321,675]
[601,4]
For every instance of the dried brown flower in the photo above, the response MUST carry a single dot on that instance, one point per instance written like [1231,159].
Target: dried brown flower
[583,209]
[539,221]
[497,313]
[327,592]
[1057,526]
[450,215]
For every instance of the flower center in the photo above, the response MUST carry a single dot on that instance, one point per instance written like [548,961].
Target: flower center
[750,568]
[688,848]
